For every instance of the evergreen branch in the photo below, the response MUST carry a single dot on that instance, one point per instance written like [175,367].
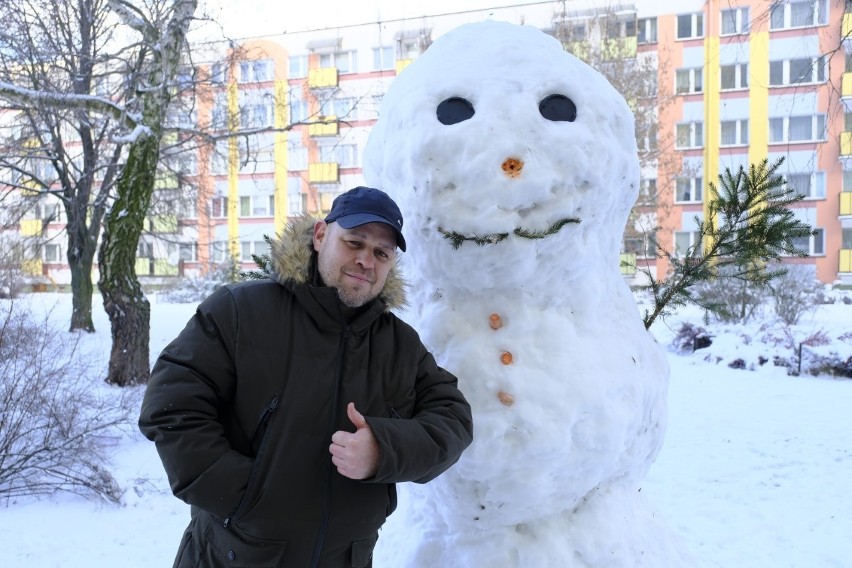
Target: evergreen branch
[749,224]
[457,239]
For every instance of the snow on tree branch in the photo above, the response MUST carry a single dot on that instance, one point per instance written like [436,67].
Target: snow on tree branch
[91,103]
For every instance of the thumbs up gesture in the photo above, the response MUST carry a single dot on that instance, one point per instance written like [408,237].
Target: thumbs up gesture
[355,454]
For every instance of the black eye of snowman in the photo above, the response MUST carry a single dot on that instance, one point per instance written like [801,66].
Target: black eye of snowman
[558,108]
[454,110]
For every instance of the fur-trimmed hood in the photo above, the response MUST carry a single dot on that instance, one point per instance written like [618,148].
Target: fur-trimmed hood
[293,261]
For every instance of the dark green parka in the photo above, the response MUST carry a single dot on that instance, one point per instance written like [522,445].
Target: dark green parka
[243,403]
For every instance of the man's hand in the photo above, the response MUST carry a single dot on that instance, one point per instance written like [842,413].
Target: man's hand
[356,455]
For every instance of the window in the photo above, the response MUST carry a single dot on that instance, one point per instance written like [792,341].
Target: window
[219,207]
[255,71]
[296,202]
[257,114]
[297,156]
[688,190]
[219,251]
[689,135]
[218,73]
[688,81]
[344,61]
[298,111]
[684,240]
[576,31]
[797,14]
[145,250]
[344,107]
[643,246]
[184,77]
[797,129]
[647,190]
[247,248]
[810,185]
[813,245]
[690,26]
[298,66]
[52,253]
[257,205]
[648,141]
[219,119]
[846,239]
[383,58]
[847,181]
[734,76]
[188,252]
[646,30]
[734,132]
[219,158]
[735,21]
[798,71]
[346,155]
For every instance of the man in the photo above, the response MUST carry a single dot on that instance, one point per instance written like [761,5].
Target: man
[288,408]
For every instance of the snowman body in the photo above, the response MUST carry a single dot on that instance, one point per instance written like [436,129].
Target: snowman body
[515,167]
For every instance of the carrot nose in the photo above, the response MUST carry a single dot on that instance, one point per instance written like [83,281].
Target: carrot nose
[512,167]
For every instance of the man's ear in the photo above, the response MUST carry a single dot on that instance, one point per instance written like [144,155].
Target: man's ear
[320,232]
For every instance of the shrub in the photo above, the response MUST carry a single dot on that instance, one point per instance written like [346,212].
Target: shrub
[734,300]
[796,293]
[53,419]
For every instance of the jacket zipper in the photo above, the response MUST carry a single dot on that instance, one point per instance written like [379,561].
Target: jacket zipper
[271,406]
[320,540]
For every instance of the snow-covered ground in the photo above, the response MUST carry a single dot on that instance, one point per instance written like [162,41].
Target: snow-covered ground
[754,472]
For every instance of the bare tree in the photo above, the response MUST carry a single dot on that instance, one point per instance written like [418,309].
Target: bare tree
[606,38]
[48,149]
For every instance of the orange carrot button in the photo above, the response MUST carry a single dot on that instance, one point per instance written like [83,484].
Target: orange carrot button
[506,358]
[506,398]
[495,321]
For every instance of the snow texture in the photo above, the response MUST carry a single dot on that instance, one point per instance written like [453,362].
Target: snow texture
[569,392]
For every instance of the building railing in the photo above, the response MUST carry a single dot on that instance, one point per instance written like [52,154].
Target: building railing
[845,264]
[845,203]
[322,77]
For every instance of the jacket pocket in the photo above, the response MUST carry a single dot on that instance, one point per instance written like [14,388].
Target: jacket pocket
[232,548]
[362,552]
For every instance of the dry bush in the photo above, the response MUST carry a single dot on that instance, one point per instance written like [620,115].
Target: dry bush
[54,418]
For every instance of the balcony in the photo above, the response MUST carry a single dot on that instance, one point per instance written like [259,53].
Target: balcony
[155,267]
[846,30]
[627,263]
[402,64]
[846,91]
[31,227]
[325,126]
[162,224]
[34,267]
[845,157]
[845,264]
[323,172]
[846,203]
[322,78]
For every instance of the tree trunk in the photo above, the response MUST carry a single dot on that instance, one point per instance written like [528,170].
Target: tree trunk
[124,301]
[82,288]
[82,247]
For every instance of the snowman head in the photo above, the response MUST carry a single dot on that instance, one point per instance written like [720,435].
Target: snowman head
[503,150]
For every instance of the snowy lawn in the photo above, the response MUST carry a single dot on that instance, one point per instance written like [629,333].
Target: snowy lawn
[754,471]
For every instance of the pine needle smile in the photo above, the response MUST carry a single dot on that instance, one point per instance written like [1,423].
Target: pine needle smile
[457,239]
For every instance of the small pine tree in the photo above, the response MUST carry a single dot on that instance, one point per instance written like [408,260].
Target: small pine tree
[263,262]
[749,224]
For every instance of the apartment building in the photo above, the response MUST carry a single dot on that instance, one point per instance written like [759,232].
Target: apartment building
[735,82]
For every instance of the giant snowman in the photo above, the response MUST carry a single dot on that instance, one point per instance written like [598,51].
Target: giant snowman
[515,167]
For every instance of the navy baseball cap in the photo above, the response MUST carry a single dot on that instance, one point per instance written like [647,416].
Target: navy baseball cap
[363,205]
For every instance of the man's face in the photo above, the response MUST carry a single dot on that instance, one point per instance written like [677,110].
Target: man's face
[355,261]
